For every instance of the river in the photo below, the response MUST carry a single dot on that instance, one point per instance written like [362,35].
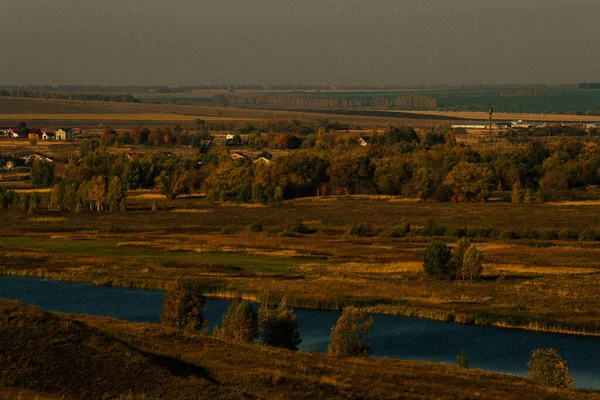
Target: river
[488,348]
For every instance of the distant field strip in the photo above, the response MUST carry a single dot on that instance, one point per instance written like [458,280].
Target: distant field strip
[118,117]
[498,116]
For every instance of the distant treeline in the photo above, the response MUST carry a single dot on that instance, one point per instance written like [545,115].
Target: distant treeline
[125,98]
[525,93]
[292,100]
[588,86]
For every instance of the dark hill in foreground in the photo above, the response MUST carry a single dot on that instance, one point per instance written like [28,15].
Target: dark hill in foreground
[53,356]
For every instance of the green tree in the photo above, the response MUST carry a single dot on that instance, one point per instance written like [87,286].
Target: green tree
[240,323]
[175,182]
[184,306]
[277,324]
[116,195]
[547,367]
[472,264]
[42,173]
[348,334]
[469,182]
[436,261]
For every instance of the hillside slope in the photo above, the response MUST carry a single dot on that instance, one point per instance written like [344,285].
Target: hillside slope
[76,357]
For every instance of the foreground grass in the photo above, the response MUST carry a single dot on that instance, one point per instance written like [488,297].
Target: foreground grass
[526,285]
[48,355]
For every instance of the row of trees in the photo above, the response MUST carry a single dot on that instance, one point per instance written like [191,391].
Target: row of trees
[325,101]
[274,324]
[464,262]
[400,161]
[97,194]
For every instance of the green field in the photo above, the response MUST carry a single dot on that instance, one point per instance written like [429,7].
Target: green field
[552,100]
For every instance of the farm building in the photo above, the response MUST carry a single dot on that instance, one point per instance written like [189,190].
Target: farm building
[34,134]
[16,133]
[237,156]
[503,125]
[37,156]
[262,160]
[48,136]
[470,126]
[65,134]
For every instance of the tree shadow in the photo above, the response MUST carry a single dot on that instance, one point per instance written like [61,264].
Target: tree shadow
[181,368]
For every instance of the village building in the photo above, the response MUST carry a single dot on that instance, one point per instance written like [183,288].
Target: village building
[65,134]
[48,136]
[16,133]
[238,156]
[262,160]
[34,134]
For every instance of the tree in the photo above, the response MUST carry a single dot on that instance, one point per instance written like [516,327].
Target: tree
[277,325]
[469,182]
[116,195]
[42,173]
[547,367]
[184,306]
[436,261]
[240,324]
[175,182]
[472,263]
[347,335]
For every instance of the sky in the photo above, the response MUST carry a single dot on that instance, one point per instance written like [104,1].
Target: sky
[309,42]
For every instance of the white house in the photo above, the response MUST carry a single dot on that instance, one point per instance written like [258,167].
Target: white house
[48,136]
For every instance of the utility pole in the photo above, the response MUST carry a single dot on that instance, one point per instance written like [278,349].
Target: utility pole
[490,112]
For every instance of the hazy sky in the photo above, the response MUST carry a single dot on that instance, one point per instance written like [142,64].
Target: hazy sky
[328,42]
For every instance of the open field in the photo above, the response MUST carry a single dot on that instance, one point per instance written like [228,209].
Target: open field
[503,116]
[74,357]
[551,286]
[88,114]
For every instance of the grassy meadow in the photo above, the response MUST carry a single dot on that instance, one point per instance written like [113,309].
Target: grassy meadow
[532,284]
[74,357]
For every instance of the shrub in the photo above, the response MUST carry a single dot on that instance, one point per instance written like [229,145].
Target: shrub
[228,230]
[568,234]
[360,229]
[472,264]
[348,333]
[274,230]
[298,227]
[184,306]
[507,234]
[588,235]
[548,234]
[254,227]
[548,368]
[436,261]
[277,325]
[462,360]
[400,230]
[240,323]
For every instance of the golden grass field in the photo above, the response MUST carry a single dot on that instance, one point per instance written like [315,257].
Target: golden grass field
[553,287]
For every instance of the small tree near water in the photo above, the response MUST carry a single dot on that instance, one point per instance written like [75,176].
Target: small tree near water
[240,323]
[347,335]
[277,324]
[436,261]
[547,367]
[184,306]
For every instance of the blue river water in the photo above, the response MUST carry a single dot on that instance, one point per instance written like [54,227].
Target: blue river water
[489,348]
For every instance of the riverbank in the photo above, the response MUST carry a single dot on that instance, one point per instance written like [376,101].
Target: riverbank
[47,346]
[536,284]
